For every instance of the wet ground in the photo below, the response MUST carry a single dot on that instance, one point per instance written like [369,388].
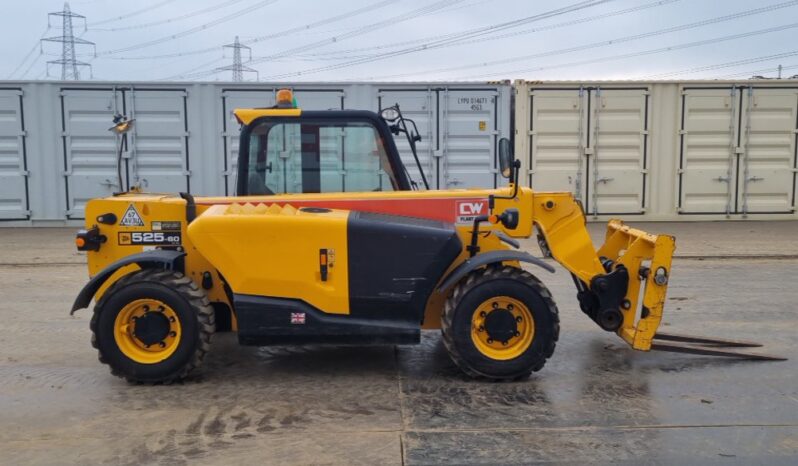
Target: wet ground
[595,401]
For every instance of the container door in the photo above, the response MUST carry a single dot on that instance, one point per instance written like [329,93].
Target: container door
[557,139]
[767,167]
[616,166]
[158,142]
[469,139]
[13,170]
[90,150]
[419,105]
[709,148]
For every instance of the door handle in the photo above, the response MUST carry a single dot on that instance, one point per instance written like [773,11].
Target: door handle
[721,179]
[754,178]
[606,179]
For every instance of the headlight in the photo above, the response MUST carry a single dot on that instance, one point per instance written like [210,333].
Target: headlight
[389,114]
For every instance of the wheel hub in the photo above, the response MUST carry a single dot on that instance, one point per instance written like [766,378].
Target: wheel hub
[147,330]
[151,328]
[501,325]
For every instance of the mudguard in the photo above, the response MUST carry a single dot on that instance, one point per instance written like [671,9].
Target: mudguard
[158,258]
[491,257]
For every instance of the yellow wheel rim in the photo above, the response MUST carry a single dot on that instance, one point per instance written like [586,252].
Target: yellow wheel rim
[502,328]
[147,331]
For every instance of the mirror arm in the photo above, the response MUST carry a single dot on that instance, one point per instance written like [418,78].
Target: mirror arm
[513,179]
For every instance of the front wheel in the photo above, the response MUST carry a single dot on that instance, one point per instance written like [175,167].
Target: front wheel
[152,326]
[500,323]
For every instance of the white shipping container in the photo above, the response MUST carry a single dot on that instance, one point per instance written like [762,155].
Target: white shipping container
[56,150]
[698,150]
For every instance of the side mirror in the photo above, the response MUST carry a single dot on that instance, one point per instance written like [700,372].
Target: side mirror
[505,158]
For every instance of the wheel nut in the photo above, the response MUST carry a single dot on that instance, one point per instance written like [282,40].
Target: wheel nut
[490,341]
[172,334]
[482,314]
[517,334]
[145,307]
[495,305]
[504,343]
[509,307]
[171,319]
[160,309]
[162,344]
[481,328]
[519,319]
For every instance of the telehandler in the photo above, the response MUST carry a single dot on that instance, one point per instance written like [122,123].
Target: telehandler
[329,241]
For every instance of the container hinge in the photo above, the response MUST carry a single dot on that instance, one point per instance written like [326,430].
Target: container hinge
[644,132]
[23,133]
[228,173]
[67,172]
[437,153]
[682,131]
[680,171]
[24,172]
[645,171]
[186,172]
[588,151]
[739,150]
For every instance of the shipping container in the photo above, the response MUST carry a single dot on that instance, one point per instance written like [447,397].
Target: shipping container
[56,150]
[675,150]
[691,150]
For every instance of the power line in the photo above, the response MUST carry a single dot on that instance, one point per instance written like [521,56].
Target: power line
[285,32]
[332,55]
[636,54]
[37,45]
[69,64]
[131,14]
[171,20]
[731,64]
[362,30]
[459,37]
[604,43]
[755,72]
[187,32]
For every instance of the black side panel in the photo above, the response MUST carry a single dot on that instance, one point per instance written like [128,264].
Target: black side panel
[279,321]
[395,262]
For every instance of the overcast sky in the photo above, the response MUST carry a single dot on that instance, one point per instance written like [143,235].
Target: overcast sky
[408,40]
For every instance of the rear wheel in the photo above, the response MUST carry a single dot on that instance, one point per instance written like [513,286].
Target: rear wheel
[500,323]
[152,326]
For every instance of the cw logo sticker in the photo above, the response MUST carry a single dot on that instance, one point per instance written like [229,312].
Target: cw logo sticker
[467,210]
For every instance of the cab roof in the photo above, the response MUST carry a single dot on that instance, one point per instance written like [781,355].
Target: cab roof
[248,115]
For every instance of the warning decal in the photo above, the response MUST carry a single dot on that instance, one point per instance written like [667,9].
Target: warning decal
[131,218]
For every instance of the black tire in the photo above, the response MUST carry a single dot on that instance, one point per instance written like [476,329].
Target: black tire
[481,285]
[194,312]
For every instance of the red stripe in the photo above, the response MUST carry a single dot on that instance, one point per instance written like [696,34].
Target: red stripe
[443,209]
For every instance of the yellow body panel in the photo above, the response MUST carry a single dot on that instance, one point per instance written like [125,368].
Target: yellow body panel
[274,251]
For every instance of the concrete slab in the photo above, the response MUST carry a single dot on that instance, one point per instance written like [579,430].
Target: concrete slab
[595,401]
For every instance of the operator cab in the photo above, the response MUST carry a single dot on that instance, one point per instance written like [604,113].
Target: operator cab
[284,149]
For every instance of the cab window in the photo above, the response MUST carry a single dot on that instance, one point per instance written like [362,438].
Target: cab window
[317,157]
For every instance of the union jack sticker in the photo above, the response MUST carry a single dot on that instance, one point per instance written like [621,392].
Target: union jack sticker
[298,318]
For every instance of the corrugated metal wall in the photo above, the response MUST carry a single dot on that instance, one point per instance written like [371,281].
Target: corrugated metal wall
[642,150]
[56,152]
[702,150]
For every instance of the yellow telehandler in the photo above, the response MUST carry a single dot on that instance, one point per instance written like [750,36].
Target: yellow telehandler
[329,241]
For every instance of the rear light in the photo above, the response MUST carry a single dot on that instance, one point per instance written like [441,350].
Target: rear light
[89,240]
